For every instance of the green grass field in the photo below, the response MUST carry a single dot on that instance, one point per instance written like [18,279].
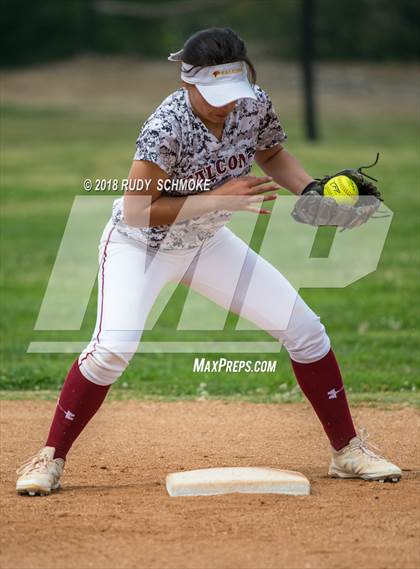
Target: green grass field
[373,323]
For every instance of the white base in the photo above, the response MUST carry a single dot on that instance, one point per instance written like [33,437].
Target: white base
[252,480]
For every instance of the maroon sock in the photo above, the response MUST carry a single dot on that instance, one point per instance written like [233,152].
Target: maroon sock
[78,402]
[322,384]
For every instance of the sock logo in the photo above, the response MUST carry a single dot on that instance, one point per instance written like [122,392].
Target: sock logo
[332,394]
[67,414]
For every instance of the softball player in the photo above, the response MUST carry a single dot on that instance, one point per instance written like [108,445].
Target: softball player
[210,130]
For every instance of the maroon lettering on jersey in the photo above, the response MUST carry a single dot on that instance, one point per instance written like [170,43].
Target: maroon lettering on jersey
[199,175]
[209,172]
[242,160]
[219,168]
[232,162]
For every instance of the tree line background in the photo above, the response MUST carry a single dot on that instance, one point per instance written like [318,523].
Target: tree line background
[35,31]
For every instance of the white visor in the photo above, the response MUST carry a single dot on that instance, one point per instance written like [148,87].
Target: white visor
[220,84]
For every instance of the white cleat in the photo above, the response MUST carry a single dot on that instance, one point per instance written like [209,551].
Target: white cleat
[40,474]
[357,460]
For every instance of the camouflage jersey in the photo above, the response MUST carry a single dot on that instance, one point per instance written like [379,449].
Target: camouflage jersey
[176,139]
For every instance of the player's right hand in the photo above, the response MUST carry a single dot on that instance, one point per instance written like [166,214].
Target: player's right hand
[246,192]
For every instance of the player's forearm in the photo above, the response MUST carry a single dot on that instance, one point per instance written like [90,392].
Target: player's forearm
[287,171]
[166,210]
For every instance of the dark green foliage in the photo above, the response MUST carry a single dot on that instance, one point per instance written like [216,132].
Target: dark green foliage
[43,30]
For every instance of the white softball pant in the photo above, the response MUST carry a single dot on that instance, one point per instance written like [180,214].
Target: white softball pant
[225,270]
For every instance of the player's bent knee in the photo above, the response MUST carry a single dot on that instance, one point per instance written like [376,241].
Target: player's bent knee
[103,364]
[306,339]
[312,346]
[104,368]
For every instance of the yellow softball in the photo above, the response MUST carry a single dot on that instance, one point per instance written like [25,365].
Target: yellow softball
[342,189]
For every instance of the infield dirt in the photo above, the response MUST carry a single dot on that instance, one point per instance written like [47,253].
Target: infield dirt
[113,511]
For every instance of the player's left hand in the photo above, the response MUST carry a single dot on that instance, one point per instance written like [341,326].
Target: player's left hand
[314,207]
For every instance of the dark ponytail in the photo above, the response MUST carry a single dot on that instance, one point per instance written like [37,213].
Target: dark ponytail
[216,46]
